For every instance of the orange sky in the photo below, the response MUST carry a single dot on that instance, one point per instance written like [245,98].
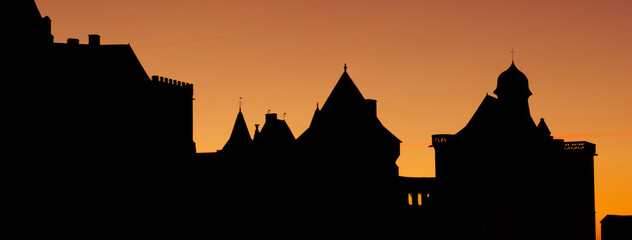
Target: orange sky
[428,63]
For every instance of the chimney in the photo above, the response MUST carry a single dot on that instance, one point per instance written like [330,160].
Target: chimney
[94,40]
[371,106]
[271,117]
[72,42]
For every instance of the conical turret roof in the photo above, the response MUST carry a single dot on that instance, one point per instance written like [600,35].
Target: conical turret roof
[240,136]
[344,95]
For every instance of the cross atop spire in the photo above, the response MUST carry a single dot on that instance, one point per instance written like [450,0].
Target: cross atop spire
[512,54]
[345,67]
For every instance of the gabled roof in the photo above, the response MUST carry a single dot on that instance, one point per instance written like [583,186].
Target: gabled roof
[275,133]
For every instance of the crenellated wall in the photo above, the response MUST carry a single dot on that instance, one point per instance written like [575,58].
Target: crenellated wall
[173,104]
[175,84]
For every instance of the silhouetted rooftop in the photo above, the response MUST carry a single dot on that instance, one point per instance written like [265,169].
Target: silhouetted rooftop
[275,132]
[512,81]
[507,114]
[619,219]
[485,119]
[344,95]
[240,136]
[346,111]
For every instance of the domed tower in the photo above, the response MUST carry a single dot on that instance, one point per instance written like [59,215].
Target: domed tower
[512,84]
[513,100]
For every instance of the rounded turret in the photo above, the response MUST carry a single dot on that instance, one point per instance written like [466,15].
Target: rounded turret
[512,83]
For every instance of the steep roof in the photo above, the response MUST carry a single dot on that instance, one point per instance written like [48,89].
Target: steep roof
[543,128]
[275,133]
[240,136]
[507,114]
[347,114]
[344,95]
[22,20]
[484,120]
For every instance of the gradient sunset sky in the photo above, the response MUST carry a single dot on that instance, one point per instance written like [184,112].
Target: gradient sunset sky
[428,63]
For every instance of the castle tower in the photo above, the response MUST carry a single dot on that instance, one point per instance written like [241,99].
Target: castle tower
[490,171]
[347,147]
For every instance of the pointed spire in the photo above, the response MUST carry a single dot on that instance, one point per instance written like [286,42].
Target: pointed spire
[345,94]
[240,136]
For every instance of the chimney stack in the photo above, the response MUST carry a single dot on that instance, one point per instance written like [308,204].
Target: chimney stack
[94,40]
[270,117]
[72,42]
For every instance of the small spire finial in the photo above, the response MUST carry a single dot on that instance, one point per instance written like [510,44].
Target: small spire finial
[512,54]
[240,98]
[345,67]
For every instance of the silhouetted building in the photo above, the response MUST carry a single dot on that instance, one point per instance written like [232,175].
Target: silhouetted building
[321,172]
[347,147]
[500,177]
[93,148]
[89,141]
[503,177]
[616,227]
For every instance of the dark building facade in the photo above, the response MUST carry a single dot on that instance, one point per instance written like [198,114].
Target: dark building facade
[93,148]
[88,140]
[323,174]
[504,177]
[501,177]
[616,227]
